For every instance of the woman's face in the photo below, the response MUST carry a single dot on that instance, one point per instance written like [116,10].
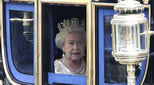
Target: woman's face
[74,46]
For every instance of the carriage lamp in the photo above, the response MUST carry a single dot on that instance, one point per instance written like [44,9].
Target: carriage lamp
[129,36]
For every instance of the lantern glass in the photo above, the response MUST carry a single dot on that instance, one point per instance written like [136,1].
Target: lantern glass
[130,39]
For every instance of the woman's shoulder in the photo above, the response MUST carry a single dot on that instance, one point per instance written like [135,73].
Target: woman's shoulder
[59,67]
[58,62]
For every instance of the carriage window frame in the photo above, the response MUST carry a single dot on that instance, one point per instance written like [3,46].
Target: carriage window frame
[15,73]
[102,11]
[54,78]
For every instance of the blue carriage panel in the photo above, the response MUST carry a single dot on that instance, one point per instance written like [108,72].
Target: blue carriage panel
[67,79]
[20,41]
[55,15]
[110,71]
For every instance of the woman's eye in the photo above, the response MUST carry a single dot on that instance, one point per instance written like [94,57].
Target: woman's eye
[80,42]
[71,43]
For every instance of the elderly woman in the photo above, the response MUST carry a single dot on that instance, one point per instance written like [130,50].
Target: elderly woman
[71,40]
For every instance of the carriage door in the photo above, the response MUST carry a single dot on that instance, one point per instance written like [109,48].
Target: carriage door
[19,43]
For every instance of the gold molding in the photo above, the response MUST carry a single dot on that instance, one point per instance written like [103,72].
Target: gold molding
[23,0]
[90,73]
[38,43]
[147,64]
[94,43]
[90,63]
[103,4]
[70,1]
[63,2]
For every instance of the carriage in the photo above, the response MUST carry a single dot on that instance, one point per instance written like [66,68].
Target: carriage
[28,47]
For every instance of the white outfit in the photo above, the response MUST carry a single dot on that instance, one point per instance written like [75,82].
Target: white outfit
[60,68]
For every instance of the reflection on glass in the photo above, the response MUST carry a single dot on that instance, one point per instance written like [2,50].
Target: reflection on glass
[21,29]
[28,29]
[114,72]
[130,39]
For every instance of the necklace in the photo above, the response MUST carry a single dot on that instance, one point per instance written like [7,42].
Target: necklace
[81,70]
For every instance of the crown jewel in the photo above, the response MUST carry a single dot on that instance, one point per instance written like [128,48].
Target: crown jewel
[70,22]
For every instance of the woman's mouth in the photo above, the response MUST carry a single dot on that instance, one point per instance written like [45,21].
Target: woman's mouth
[76,54]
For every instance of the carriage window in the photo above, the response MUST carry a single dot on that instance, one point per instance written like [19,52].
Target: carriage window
[110,71]
[20,42]
[114,72]
[21,33]
[64,44]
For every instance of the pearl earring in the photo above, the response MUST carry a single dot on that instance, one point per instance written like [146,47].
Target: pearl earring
[63,54]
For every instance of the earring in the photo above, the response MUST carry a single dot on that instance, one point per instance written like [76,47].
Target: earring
[63,54]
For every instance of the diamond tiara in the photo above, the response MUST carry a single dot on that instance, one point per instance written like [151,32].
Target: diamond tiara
[70,22]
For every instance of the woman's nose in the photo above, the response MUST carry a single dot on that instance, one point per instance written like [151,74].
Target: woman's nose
[76,46]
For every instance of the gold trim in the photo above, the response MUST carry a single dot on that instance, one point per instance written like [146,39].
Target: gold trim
[94,43]
[89,51]
[104,4]
[24,0]
[68,1]
[38,43]
[63,2]
[91,70]
[113,40]
[147,64]
[89,45]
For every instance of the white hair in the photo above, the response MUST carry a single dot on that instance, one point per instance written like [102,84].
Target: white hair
[61,36]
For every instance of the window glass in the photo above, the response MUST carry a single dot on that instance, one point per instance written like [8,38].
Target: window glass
[115,72]
[55,15]
[52,15]
[21,29]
